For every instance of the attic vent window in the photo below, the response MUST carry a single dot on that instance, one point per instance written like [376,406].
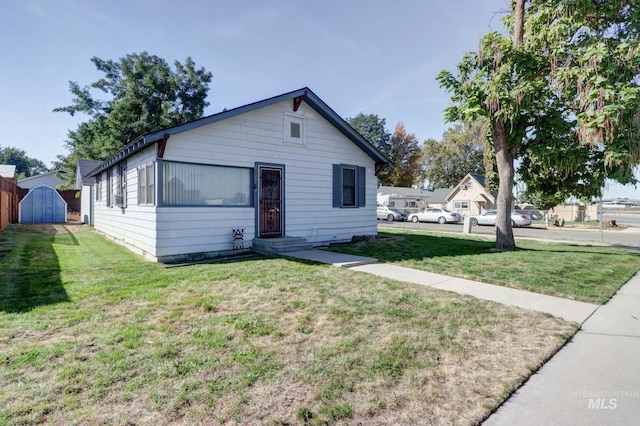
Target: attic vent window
[294,129]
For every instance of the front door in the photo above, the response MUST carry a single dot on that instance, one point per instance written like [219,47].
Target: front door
[270,210]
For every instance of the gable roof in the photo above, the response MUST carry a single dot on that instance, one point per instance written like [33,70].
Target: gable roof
[478,178]
[439,196]
[82,173]
[48,178]
[305,94]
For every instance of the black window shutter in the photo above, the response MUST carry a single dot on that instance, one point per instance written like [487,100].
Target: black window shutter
[362,189]
[337,185]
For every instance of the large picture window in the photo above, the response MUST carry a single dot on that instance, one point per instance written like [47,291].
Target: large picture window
[203,185]
[349,186]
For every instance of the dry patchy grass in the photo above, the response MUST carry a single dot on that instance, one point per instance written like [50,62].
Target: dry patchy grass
[116,340]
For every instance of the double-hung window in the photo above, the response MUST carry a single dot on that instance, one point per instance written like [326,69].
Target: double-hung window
[349,186]
[99,187]
[146,184]
[117,186]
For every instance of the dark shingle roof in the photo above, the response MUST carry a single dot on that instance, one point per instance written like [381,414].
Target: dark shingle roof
[85,167]
[305,94]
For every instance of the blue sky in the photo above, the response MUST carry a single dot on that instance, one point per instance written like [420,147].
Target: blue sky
[372,56]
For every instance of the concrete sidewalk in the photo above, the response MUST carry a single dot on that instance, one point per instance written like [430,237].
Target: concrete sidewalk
[569,310]
[593,380]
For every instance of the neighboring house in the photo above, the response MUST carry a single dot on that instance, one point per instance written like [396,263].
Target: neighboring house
[407,200]
[287,166]
[86,185]
[8,172]
[439,197]
[49,178]
[470,197]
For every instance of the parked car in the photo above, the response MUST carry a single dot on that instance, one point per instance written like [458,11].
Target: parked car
[435,215]
[489,218]
[390,214]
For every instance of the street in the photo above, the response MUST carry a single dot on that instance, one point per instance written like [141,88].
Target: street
[617,237]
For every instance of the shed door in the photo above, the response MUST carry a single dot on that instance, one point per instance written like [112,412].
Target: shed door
[270,210]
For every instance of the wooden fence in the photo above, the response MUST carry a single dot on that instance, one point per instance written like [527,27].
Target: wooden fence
[9,199]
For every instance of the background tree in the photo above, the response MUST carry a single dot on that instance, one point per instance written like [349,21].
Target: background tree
[373,129]
[561,93]
[406,158]
[145,95]
[25,165]
[461,151]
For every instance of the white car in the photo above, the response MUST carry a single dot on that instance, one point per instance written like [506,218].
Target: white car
[489,218]
[435,215]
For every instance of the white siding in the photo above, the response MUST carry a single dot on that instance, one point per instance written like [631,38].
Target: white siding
[134,226]
[86,198]
[258,136]
[241,141]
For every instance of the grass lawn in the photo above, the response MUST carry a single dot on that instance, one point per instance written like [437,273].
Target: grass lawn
[92,334]
[586,273]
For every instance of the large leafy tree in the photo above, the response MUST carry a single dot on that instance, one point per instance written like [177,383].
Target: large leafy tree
[400,147]
[373,129]
[561,93]
[143,94]
[406,158]
[460,151]
[25,165]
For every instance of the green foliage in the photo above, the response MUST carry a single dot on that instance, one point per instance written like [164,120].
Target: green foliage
[145,95]
[541,200]
[406,158]
[25,166]
[565,100]
[461,151]
[373,129]
[400,147]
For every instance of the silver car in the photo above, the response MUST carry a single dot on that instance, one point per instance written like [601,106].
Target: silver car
[389,213]
[489,218]
[435,215]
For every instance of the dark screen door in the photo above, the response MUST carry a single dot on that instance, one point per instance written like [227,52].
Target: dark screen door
[270,210]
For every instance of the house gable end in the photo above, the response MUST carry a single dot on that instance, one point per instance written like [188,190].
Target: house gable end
[298,96]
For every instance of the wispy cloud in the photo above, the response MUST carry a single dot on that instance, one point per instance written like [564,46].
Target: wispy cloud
[246,23]
[68,12]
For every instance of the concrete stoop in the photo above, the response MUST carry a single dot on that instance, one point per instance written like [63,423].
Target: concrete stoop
[280,245]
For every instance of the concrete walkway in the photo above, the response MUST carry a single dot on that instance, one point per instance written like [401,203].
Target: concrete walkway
[569,310]
[593,380]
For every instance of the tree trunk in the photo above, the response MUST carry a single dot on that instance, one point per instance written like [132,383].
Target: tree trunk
[505,155]
[506,172]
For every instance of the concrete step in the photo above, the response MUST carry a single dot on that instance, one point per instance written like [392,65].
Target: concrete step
[280,245]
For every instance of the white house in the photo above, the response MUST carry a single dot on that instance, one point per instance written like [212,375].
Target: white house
[408,200]
[86,186]
[286,166]
[470,196]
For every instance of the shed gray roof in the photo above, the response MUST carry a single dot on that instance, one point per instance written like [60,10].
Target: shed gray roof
[305,94]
